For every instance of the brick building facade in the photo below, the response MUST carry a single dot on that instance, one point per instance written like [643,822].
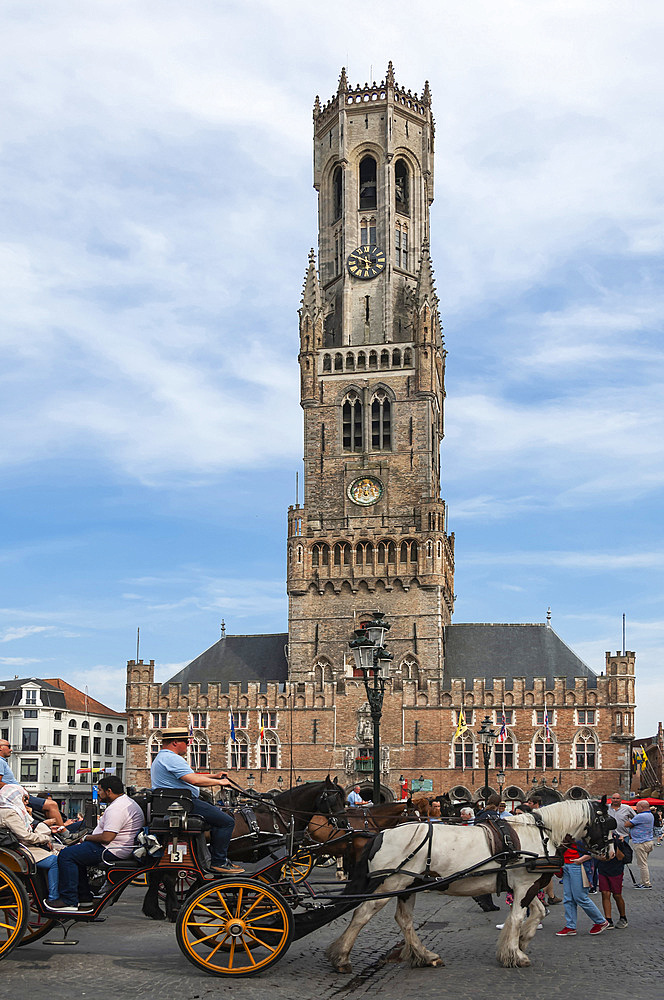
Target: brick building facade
[372,531]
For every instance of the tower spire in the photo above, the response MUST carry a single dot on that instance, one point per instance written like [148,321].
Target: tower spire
[311,294]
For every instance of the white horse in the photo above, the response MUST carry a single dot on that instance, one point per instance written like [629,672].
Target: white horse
[456,849]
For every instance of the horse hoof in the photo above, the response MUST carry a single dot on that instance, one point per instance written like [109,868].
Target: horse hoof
[344,969]
[524,962]
[438,963]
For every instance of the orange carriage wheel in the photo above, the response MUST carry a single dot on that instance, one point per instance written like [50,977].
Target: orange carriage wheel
[234,927]
[297,868]
[14,907]
[37,925]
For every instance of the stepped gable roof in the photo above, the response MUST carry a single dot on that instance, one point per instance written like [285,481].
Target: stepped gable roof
[237,659]
[509,651]
[78,701]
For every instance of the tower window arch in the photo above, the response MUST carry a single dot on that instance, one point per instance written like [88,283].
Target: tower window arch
[361,360]
[353,438]
[381,422]
[384,359]
[408,357]
[373,359]
[350,361]
[320,554]
[337,187]
[367,182]
[342,554]
[585,750]
[401,245]
[338,363]
[327,363]
[396,358]
[402,187]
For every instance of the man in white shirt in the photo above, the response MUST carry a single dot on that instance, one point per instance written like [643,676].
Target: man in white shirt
[112,838]
[620,813]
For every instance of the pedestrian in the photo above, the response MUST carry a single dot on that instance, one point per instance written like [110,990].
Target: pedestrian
[658,829]
[355,797]
[621,812]
[504,812]
[641,827]
[611,873]
[575,892]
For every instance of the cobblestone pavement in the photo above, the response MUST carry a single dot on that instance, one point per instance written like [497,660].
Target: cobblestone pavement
[131,956]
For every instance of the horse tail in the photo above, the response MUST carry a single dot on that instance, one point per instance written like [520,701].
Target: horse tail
[360,882]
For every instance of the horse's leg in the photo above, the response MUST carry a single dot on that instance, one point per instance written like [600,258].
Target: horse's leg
[529,926]
[339,951]
[413,949]
[508,952]
[172,902]
[151,899]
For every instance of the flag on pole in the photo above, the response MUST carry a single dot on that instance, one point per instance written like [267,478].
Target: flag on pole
[191,726]
[547,732]
[461,727]
[502,735]
[262,732]
[232,723]
[193,747]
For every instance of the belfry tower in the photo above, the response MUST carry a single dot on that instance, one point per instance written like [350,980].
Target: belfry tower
[371,533]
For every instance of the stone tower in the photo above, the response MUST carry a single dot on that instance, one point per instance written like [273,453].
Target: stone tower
[371,533]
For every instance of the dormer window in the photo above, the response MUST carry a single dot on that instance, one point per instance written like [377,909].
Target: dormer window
[368,183]
[30,696]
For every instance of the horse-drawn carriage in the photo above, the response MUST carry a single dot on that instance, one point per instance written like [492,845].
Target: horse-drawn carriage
[240,925]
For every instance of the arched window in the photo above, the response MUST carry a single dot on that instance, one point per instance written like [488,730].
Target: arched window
[85,724]
[72,724]
[368,182]
[384,359]
[364,554]
[269,752]
[381,422]
[396,359]
[239,752]
[337,187]
[381,552]
[327,363]
[96,727]
[121,729]
[404,552]
[368,231]
[320,554]
[338,363]
[109,728]
[361,360]
[585,750]
[198,753]
[408,357]
[413,552]
[402,187]
[154,746]
[463,752]
[503,754]
[341,554]
[544,751]
[373,359]
[391,552]
[350,362]
[353,437]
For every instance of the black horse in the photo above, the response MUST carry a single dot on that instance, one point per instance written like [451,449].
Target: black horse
[258,830]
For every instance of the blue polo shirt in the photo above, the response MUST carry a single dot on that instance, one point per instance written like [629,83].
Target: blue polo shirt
[642,828]
[6,773]
[167,771]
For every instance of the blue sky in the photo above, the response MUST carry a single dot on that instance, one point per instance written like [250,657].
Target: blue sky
[157,212]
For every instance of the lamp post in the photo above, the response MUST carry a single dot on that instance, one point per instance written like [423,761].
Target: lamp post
[487,737]
[372,659]
[500,778]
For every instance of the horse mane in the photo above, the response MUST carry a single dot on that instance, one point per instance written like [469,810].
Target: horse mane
[561,819]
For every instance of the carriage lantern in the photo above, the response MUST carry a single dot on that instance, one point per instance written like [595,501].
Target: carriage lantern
[176,815]
[500,778]
[487,737]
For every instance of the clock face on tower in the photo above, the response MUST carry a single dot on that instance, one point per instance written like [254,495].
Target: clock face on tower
[366,262]
[365,491]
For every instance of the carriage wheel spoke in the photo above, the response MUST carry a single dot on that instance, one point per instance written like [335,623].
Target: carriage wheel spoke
[262,916]
[207,937]
[263,944]
[9,926]
[216,948]
[238,908]
[231,954]
[254,904]
[215,913]
[204,923]
[248,951]
[223,903]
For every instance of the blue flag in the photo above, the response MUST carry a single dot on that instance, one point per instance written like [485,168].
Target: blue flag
[232,722]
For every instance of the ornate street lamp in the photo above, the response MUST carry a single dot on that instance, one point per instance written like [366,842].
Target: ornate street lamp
[500,778]
[280,782]
[373,660]
[250,780]
[487,737]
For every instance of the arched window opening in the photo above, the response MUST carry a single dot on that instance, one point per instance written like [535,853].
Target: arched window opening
[353,438]
[338,363]
[368,231]
[299,553]
[96,727]
[404,552]
[384,359]
[402,187]
[198,752]
[407,357]
[336,194]
[463,752]
[413,552]
[327,363]
[269,753]
[341,554]
[320,554]
[503,754]
[350,362]
[359,555]
[154,746]
[361,360]
[368,183]
[544,751]
[381,423]
[401,245]
[429,549]
[396,359]
[585,751]
[439,548]
[381,552]
[391,553]
[368,553]
[239,752]
[373,359]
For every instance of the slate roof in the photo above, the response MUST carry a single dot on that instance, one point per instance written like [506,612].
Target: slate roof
[237,658]
[509,651]
[54,693]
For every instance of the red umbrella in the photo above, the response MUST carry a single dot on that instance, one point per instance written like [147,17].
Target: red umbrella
[651,802]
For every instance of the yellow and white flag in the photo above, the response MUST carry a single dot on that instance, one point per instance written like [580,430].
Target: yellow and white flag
[461,727]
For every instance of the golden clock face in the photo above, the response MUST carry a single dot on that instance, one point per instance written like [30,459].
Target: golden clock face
[366,262]
[365,491]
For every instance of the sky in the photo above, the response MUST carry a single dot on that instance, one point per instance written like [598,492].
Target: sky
[156,214]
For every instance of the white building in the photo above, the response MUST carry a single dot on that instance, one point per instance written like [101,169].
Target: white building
[57,731]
